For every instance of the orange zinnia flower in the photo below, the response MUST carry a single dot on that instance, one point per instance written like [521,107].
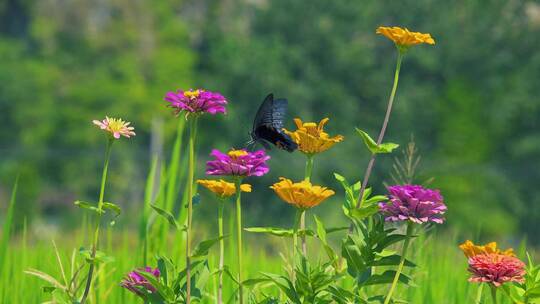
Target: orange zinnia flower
[404,37]
[470,249]
[302,195]
[222,188]
[311,137]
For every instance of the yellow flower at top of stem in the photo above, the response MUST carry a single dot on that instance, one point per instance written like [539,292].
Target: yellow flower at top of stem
[302,195]
[470,249]
[402,37]
[222,188]
[311,138]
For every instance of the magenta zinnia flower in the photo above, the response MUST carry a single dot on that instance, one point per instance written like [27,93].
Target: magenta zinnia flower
[238,163]
[116,127]
[496,268]
[197,101]
[414,203]
[137,284]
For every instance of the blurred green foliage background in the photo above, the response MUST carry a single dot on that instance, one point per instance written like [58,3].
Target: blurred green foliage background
[471,101]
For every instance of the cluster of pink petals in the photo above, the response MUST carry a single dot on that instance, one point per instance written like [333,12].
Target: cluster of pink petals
[135,282]
[496,269]
[116,127]
[413,203]
[238,163]
[197,101]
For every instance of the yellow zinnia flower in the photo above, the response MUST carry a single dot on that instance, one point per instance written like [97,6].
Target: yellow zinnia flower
[404,37]
[311,137]
[303,194]
[470,249]
[222,188]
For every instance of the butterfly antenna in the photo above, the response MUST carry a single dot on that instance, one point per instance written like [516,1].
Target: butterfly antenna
[250,143]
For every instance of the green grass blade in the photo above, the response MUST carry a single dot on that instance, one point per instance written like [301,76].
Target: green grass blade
[8,224]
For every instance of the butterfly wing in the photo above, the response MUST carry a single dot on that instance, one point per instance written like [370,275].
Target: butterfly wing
[262,113]
[269,122]
[279,112]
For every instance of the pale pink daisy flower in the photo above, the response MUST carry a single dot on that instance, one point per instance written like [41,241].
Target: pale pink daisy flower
[116,127]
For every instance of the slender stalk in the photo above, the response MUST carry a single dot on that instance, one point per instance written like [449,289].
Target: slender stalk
[401,263]
[479,294]
[191,174]
[493,294]
[309,168]
[98,224]
[307,177]
[299,213]
[221,250]
[238,182]
[371,163]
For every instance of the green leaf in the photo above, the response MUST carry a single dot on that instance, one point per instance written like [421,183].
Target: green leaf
[285,285]
[386,278]
[61,297]
[364,211]
[203,247]
[162,290]
[372,145]
[321,234]
[350,250]
[166,215]
[392,260]
[114,208]
[87,206]
[387,147]
[48,289]
[271,230]
[100,256]
[341,179]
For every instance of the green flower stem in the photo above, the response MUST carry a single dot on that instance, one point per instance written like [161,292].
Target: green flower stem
[221,250]
[309,168]
[191,175]
[493,293]
[479,294]
[297,217]
[238,182]
[410,228]
[371,163]
[98,224]
[308,173]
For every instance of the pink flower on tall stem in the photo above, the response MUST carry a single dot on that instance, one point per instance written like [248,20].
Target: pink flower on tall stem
[238,163]
[496,269]
[413,203]
[196,102]
[137,283]
[116,127]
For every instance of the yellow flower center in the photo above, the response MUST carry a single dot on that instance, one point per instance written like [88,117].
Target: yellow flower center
[311,128]
[234,154]
[116,125]
[192,94]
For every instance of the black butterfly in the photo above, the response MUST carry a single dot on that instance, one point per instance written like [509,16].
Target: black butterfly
[268,125]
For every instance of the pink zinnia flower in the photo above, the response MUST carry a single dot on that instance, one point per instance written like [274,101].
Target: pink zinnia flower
[116,127]
[496,269]
[238,163]
[413,203]
[137,284]
[197,101]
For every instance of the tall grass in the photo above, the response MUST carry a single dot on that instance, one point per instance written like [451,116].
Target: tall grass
[441,277]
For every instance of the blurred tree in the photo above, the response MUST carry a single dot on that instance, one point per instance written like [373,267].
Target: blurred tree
[471,100]
[76,62]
